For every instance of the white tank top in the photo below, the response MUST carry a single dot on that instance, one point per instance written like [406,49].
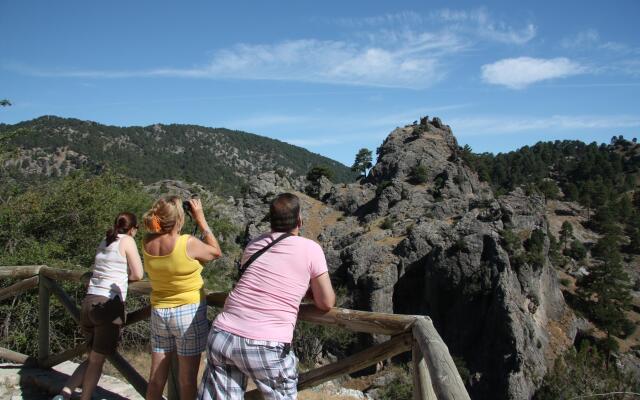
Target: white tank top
[110,275]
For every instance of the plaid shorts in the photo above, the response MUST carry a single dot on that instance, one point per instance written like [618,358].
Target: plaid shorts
[232,359]
[182,328]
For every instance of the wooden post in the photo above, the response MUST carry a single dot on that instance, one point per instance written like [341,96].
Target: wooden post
[140,287]
[138,315]
[19,287]
[130,374]
[422,389]
[173,388]
[64,298]
[445,378]
[20,271]
[358,321]
[353,320]
[43,321]
[66,355]
[356,362]
[15,357]
[59,274]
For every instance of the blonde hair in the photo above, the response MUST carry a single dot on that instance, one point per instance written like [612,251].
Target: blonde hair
[164,215]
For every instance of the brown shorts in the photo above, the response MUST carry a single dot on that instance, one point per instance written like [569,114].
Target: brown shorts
[101,319]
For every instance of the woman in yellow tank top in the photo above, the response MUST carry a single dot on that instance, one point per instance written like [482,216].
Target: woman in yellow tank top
[178,309]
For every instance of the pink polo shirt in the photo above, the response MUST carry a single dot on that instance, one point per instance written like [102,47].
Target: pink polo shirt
[264,304]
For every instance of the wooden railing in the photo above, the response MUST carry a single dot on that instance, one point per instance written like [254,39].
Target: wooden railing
[434,373]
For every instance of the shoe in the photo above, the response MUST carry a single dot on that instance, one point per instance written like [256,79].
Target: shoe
[58,397]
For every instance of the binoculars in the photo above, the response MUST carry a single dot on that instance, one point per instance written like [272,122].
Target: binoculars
[186,206]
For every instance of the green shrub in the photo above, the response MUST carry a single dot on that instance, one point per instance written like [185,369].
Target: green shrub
[382,186]
[535,248]
[627,328]
[59,223]
[410,228]
[419,174]
[554,249]
[400,388]
[388,222]
[317,172]
[510,241]
[440,181]
[584,373]
[311,340]
[577,251]
[461,366]
[459,246]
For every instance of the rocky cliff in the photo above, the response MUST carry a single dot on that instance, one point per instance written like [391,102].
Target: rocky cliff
[422,235]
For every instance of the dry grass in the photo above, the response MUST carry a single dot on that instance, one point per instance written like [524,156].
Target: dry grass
[139,359]
[316,220]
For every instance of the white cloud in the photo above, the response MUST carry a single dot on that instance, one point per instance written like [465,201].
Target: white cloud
[590,39]
[585,38]
[481,23]
[414,64]
[474,126]
[333,62]
[472,23]
[518,73]
[402,18]
[403,50]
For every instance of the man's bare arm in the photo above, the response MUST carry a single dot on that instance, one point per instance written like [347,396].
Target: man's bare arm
[323,295]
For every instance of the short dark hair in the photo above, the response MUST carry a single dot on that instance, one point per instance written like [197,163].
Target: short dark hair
[284,212]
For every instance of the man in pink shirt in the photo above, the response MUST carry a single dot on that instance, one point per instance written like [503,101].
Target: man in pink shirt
[251,337]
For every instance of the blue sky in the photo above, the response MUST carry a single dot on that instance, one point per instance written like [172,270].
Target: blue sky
[330,76]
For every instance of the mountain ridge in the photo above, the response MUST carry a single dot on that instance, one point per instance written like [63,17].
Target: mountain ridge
[53,145]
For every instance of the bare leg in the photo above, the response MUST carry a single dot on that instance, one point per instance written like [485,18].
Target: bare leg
[188,367]
[74,380]
[158,375]
[92,374]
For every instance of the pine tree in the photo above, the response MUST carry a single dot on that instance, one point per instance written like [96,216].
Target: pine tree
[566,233]
[624,209]
[362,162]
[586,195]
[605,292]
[319,171]
[549,189]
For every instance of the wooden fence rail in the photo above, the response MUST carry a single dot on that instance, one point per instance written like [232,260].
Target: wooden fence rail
[434,373]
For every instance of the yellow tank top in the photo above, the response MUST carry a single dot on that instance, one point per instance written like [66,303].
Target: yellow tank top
[175,278]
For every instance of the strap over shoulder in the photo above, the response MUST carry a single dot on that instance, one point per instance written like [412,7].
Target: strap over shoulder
[260,252]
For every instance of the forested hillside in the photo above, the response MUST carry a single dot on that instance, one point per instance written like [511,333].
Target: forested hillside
[218,158]
[587,172]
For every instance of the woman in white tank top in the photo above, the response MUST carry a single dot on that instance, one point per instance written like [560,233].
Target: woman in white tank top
[117,262]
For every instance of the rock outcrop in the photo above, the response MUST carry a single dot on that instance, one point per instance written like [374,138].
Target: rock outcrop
[423,235]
